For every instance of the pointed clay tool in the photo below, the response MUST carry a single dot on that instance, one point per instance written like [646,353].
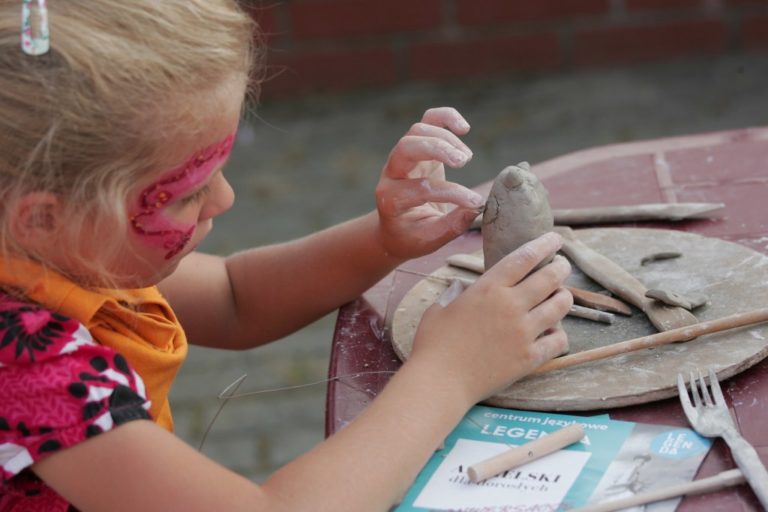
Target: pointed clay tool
[598,301]
[623,284]
[634,213]
[517,211]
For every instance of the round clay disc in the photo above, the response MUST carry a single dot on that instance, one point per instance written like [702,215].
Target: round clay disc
[732,276]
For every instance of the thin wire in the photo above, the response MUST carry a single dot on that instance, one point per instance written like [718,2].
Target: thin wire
[234,387]
[306,385]
[225,395]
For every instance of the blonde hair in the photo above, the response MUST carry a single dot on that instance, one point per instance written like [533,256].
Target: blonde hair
[87,119]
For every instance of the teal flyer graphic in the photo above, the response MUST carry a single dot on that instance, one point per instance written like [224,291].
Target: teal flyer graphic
[613,459]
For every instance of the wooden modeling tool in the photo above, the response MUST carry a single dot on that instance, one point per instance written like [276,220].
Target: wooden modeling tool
[710,484]
[686,333]
[620,282]
[525,453]
[598,301]
[635,213]
[591,314]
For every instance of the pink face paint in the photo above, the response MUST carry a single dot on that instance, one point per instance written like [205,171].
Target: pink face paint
[148,218]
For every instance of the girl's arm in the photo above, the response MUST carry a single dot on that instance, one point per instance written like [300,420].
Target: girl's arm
[495,332]
[262,294]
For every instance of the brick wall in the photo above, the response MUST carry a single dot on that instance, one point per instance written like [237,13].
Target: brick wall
[340,45]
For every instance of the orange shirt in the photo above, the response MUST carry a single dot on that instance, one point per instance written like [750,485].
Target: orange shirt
[139,324]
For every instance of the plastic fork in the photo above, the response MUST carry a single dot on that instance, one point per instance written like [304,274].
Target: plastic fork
[710,417]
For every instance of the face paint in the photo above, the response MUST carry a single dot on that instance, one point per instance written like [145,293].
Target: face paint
[149,219]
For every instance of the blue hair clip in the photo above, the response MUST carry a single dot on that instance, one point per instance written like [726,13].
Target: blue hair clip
[35,37]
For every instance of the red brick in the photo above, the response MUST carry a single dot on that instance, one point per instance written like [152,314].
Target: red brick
[489,12]
[432,61]
[626,44]
[345,18]
[639,5]
[754,32]
[329,71]
[266,18]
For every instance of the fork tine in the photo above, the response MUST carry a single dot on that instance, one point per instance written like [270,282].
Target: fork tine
[685,400]
[695,391]
[716,391]
[705,391]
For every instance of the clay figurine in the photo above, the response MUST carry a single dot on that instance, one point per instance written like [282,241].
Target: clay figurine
[516,212]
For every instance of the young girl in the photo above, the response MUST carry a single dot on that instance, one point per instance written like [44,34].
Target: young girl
[112,145]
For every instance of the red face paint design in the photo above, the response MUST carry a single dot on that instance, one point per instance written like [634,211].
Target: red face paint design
[148,219]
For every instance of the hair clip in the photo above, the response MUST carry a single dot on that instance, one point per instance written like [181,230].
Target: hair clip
[35,38]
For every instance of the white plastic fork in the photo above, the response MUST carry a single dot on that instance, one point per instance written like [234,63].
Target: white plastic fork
[710,417]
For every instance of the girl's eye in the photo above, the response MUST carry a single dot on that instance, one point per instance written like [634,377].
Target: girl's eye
[197,196]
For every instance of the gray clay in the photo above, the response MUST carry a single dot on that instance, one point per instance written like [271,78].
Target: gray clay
[660,256]
[516,212]
[675,299]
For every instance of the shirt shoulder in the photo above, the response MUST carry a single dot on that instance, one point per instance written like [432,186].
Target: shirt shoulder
[58,387]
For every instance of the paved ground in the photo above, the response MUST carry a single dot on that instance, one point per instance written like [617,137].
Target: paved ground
[301,165]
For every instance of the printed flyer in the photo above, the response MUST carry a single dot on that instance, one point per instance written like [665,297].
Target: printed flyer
[613,460]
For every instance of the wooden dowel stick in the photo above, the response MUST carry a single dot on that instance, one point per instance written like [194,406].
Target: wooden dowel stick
[591,314]
[686,333]
[525,453]
[710,484]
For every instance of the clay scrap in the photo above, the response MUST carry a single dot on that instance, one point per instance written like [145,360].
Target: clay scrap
[660,256]
[689,302]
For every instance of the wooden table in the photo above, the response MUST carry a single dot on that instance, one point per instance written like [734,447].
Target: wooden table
[729,167]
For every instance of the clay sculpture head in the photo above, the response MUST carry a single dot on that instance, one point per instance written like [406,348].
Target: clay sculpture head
[516,212]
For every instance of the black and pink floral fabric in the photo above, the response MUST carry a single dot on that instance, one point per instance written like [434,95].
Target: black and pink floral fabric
[58,388]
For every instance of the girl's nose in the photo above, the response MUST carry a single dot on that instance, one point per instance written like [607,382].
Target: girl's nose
[220,199]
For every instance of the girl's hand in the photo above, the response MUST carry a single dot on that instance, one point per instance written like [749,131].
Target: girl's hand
[500,328]
[419,210]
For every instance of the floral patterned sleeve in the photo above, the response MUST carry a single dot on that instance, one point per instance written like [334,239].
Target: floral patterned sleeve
[57,389]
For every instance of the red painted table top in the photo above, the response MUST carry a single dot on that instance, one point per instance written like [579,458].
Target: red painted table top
[724,167]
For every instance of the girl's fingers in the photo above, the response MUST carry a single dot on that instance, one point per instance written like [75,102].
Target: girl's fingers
[412,149]
[518,264]
[551,311]
[445,228]
[549,346]
[428,130]
[396,197]
[447,117]
[544,281]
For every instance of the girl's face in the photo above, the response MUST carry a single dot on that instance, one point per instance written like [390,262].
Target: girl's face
[171,211]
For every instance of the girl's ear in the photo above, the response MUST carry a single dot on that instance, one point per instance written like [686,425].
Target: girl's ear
[36,218]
